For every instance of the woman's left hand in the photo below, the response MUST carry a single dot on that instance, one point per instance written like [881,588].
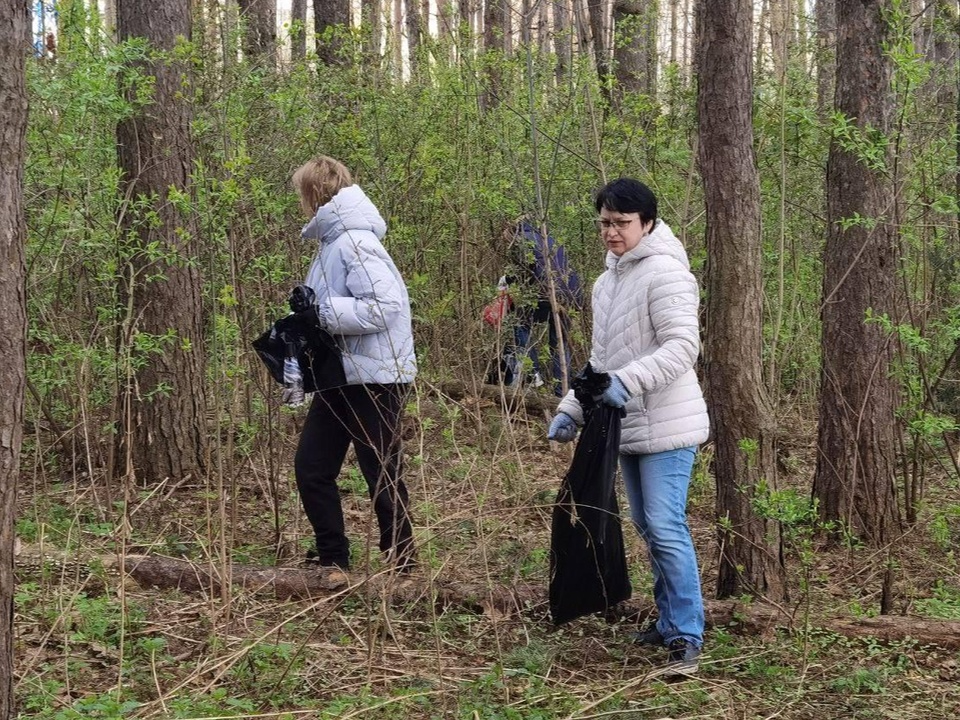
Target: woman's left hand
[616,395]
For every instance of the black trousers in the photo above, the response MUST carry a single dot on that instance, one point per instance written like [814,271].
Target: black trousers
[368,416]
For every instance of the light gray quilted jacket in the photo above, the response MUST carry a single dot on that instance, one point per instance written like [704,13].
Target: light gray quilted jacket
[360,293]
[645,330]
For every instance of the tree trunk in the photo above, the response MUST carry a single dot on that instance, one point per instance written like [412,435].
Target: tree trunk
[543,28]
[781,26]
[445,20]
[167,404]
[826,19]
[259,30]
[415,28]
[465,26]
[331,18]
[635,45]
[857,438]
[597,13]
[298,35]
[494,33]
[14,45]
[526,23]
[673,31]
[742,424]
[562,38]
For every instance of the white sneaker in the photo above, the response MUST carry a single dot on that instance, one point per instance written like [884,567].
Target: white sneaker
[535,380]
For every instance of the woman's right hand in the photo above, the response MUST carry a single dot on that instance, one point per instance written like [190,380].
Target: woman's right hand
[562,429]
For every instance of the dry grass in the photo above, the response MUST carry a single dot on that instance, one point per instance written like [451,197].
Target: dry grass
[482,484]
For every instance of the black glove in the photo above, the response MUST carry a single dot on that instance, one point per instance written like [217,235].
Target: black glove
[302,298]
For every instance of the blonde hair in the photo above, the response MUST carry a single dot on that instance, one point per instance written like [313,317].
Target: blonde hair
[318,180]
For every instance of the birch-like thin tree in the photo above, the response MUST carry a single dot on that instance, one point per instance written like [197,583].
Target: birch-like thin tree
[741,421]
[14,43]
[857,432]
[165,406]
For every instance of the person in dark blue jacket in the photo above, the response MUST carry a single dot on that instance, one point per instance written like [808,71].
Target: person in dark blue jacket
[541,268]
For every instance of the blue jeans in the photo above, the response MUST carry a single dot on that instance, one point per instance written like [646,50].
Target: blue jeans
[657,487]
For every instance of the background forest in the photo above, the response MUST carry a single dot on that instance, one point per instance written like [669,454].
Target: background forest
[805,153]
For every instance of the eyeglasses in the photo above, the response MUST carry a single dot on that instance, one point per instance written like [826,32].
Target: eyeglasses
[617,224]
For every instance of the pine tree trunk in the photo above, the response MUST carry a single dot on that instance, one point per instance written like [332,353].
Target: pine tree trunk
[14,42]
[445,20]
[780,34]
[526,22]
[298,37]
[543,27]
[635,45]
[331,18]
[494,32]
[741,421]
[673,31]
[260,30]
[415,29]
[826,18]
[857,436]
[167,406]
[597,13]
[562,38]
[465,26]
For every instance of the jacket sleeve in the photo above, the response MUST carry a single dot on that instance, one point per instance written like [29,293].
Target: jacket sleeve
[673,300]
[376,296]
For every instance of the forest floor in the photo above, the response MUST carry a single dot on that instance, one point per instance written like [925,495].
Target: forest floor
[482,483]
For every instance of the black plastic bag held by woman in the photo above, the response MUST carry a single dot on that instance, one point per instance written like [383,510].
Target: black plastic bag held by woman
[588,567]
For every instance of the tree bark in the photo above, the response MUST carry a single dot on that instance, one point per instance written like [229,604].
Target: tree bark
[495,30]
[742,423]
[597,13]
[330,19]
[167,404]
[857,436]
[826,19]
[259,30]
[635,45]
[415,30]
[298,34]
[14,46]
[781,30]
[562,38]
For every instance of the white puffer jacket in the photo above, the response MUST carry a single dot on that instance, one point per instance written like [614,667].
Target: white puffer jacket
[645,330]
[360,294]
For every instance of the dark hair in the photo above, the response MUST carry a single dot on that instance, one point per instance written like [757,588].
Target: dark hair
[626,195]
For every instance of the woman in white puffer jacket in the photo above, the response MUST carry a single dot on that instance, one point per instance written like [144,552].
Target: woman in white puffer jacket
[646,336]
[361,301]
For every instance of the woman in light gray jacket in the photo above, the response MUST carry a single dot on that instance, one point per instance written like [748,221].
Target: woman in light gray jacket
[646,336]
[362,301]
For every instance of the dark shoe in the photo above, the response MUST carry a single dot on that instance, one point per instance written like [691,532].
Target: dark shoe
[648,635]
[683,657]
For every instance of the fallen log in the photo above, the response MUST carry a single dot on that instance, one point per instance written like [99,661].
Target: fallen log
[897,628]
[304,583]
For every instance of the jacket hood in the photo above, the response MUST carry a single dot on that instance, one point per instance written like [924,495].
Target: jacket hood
[350,209]
[660,241]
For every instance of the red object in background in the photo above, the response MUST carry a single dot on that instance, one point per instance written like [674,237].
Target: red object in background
[495,311]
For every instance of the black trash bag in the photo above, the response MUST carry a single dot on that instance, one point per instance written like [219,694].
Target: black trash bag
[588,565]
[317,352]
